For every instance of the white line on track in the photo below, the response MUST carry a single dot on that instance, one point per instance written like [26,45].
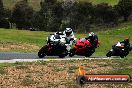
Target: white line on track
[44,59]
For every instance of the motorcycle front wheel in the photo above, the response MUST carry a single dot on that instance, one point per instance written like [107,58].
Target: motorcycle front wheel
[41,53]
[109,54]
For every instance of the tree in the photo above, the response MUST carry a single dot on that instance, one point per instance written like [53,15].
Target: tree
[68,13]
[84,15]
[1,12]
[124,8]
[74,19]
[50,15]
[4,16]
[105,14]
[22,15]
[1,5]
[56,17]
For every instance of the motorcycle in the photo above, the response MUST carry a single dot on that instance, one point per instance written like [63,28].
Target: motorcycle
[118,51]
[82,47]
[53,49]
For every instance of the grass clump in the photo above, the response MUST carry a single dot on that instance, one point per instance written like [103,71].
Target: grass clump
[3,66]
[2,71]
[41,62]
[21,67]
[72,69]
[59,69]
[27,81]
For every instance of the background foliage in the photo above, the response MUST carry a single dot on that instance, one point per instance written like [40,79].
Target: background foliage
[55,15]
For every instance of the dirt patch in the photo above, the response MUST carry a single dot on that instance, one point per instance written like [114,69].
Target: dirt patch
[55,74]
[9,46]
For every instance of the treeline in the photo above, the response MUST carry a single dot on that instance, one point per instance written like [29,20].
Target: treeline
[55,15]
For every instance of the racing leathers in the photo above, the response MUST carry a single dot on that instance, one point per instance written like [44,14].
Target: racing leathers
[69,38]
[93,40]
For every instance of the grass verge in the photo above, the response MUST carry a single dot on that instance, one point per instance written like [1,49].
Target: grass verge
[61,73]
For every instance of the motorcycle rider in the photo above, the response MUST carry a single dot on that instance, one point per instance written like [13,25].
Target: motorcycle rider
[68,33]
[93,38]
[65,37]
[57,40]
[54,37]
[126,45]
[122,46]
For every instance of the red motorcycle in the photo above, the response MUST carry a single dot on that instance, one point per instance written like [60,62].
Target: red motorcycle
[53,49]
[83,48]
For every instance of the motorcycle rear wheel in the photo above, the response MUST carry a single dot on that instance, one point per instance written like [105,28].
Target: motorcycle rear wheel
[72,53]
[65,53]
[89,53]
[61,56]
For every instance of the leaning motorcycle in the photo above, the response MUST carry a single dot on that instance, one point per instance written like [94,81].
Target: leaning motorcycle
[118,51]
[82,47]
[53,49]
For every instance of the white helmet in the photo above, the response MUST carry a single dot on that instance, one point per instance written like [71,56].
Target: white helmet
[68,31]
[91,34]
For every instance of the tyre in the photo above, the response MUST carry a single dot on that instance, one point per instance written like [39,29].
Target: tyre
[109,54]
[122,56]
[89,53]
[62,56]
[127,52]
[72,53]
[81,80]
[41,53]
[66,52]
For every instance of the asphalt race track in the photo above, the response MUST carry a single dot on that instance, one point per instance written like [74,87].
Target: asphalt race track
[18,55]
[12,57]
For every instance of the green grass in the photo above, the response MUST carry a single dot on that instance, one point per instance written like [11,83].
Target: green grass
[111,2]
[23,36]
[106,38]
[36,3]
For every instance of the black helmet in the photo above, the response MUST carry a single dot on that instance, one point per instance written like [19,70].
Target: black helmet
[57,36]
[59,33]
[126,40]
